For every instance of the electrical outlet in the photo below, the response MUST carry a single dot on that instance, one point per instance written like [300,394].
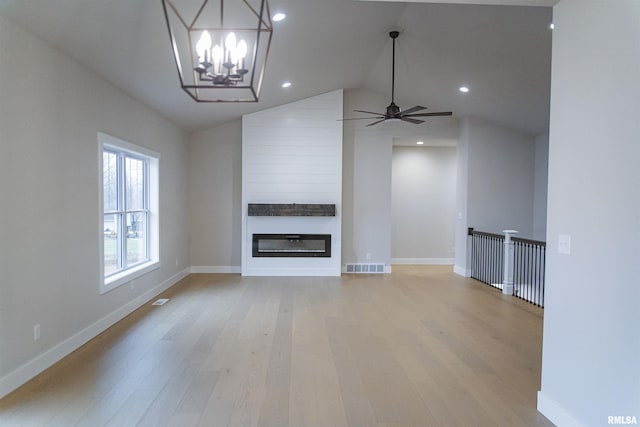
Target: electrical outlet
[36,332]
[564,244]
[368,256]
[176,262]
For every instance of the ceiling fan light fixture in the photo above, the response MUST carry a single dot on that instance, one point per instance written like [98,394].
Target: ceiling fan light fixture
[220,47]
[392,112]
[464,89]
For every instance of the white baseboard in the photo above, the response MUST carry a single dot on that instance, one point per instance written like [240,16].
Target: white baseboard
[291,272]
[24,373]
[216,269]
[555,413]
[461,271]
[422,261]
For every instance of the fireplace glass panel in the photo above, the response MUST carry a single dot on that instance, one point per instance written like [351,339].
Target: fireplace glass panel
[291,245]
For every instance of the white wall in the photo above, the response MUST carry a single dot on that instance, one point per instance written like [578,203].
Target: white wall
[51,110]
[540,184]
[499,184]
[215,193]
[215,188]
[591,343]
[293,154]
[423,204]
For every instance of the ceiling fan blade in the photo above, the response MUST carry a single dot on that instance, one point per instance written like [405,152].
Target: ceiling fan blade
[407,119]
[368,112]
[362,118]
[443,113]
[375,123]
[413,110]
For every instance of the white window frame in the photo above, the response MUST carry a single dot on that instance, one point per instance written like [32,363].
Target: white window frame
[152,158]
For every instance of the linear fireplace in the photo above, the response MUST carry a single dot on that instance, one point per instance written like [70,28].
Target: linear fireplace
[292,245]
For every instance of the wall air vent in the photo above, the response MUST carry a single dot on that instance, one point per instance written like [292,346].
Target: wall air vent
[367,268]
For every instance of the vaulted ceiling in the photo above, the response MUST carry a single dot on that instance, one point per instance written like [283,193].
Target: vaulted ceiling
[501,51]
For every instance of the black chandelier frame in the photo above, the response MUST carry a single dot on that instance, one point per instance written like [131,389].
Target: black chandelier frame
[226,81]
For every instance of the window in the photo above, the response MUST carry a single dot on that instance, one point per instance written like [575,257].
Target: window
[129,232]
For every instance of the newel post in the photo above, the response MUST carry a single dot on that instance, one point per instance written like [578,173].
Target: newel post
[507,280]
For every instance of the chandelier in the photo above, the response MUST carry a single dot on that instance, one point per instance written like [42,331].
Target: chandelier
[220,47]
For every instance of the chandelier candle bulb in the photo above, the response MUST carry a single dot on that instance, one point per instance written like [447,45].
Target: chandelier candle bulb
[242,53]
[217,58]
[230,44]
[203,46]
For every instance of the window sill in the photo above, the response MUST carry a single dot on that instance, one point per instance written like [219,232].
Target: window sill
[117,280]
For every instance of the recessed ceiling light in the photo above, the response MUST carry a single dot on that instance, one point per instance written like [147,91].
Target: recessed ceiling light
[286,84]
[420,142]
[463,89]
[278,17]
[551,26]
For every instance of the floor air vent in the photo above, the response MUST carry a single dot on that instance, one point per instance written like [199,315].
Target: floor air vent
[161,301]
[364,268]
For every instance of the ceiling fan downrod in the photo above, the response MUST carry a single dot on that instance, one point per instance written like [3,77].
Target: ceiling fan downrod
[394,35]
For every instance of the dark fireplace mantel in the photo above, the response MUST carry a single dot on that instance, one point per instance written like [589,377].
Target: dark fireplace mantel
[291,209]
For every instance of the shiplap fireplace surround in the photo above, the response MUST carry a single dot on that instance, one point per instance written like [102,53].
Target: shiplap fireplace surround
[291,175]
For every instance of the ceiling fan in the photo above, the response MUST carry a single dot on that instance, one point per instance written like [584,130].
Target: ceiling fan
[393,112]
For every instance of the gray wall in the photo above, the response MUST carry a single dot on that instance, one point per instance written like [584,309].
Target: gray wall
[366,201]
[540,184]
[495,183]
[590,365]
[423,204]
[215,193]
[501,170]
[50,218]
[367,159]
[462,248]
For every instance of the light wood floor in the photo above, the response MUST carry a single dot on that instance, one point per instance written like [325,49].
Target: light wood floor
[419,347]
